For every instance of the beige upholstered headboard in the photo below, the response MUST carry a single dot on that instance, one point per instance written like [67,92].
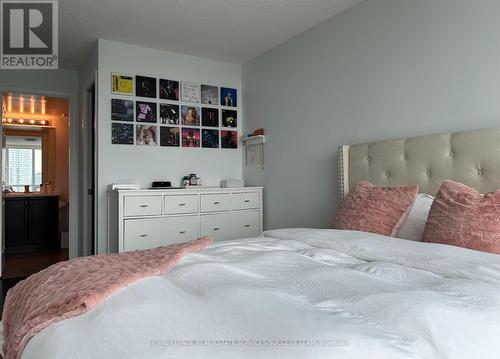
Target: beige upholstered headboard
[470,157]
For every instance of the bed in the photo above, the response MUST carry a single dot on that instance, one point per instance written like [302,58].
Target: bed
[318,293]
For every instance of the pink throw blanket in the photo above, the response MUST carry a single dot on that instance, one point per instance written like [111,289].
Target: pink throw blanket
[74,287]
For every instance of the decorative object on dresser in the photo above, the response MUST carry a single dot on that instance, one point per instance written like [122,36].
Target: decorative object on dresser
[151,218]
[31,223]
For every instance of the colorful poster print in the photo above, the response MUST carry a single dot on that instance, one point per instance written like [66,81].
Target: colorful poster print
[122,134]
[190,115]
[190,92]
[229,118]
[228,97]
[146,135]
[229,139]
[209,95]
[122,110]
[169,114]
[122,84]
[190,137]
[145,112]
[169,90]
[169,136]
[210,117]
[145,86]
[210,138]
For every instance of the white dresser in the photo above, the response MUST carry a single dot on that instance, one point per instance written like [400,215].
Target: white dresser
[140,219]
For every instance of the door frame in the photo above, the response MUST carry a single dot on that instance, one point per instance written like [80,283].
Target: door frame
[89,119]
[74,198]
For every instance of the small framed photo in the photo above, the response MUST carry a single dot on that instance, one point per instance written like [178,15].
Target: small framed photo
[209,95]
[190,115]
[210,138]
[122,84]
[169,114]
[229,118]
[190,137]
[146,135]
[170,136]
[229,139]
[145,86]
[190,92]
[145,111]
[169,90]
[122,133]
[122,110]
[210,117]
[228,97]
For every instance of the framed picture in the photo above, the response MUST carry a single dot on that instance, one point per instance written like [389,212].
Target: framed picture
[122,133]
[210,117]
[190,92]
[190,137]
[229,139]
[122,110]
[228,97]
[210,138]
[169,136]
[190,115]
[145,86]
[169,114]
[229,118]
[122,84]
[146,135]
[209,95]
[169,90]
[145,111]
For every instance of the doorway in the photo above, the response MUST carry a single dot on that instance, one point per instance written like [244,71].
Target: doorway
[35,174]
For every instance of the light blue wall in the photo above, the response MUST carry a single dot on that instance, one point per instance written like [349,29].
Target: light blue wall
[384,69]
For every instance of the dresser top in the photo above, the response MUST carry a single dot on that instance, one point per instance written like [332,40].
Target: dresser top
[162,191]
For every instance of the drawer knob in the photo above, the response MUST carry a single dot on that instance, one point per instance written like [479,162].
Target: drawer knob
[247,225]
[182,232]
[216,228]
[182,204]
[143,235]
[217,202]
[144,205]
[246,201]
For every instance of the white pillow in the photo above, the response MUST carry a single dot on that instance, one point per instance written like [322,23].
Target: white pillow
[413,227]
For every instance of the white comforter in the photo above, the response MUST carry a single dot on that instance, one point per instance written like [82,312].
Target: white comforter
[298,293]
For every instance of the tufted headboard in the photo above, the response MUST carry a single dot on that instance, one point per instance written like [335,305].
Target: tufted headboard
[470,157]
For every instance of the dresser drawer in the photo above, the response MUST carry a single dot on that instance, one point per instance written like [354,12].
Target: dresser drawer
[217,226]
[181,204]
[155,232]
[215,202]
[246,224]
[248,200]
[142,206]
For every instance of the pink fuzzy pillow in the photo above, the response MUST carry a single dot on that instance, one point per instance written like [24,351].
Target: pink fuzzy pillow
[461,216]
[375,209]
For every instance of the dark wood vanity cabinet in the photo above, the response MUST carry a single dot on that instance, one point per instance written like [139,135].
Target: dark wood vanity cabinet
[31,224]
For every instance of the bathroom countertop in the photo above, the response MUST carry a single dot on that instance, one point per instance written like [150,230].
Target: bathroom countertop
[26,195]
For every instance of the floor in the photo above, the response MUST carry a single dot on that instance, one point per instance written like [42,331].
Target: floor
[19,266]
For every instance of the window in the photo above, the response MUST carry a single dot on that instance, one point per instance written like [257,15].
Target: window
[23,162]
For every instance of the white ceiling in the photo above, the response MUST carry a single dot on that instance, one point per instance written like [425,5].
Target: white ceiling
[228,30]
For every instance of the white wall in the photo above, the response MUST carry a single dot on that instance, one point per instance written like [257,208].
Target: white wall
[383,69]
[142,164]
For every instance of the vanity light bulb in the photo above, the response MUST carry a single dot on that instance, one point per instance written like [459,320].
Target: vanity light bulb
[21,121]
[32,122]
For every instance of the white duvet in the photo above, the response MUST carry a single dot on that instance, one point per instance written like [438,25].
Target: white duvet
[297,293]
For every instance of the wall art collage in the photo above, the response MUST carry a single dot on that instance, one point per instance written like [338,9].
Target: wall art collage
[172,113]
